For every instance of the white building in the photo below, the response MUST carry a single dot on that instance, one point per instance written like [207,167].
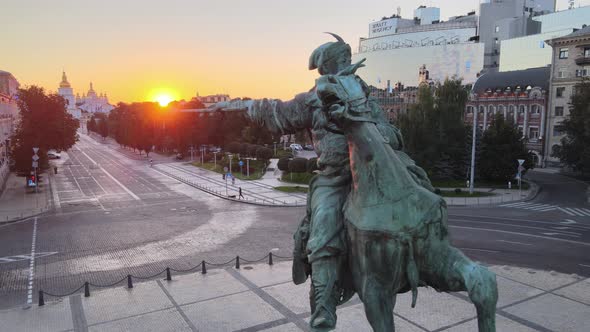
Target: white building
[397,47]
[65,90]
[93,103]
[533,51]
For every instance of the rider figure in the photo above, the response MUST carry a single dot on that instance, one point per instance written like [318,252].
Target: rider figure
[320,241]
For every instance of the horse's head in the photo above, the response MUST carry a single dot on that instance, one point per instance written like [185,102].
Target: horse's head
[343,97]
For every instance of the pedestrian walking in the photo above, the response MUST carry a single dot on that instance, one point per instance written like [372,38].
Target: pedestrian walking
[233,180]
[240,192]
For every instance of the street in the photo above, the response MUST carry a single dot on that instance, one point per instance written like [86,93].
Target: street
[114,216]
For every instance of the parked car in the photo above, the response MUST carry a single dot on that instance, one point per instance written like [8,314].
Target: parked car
[308,147]
[52,154]
[179,156]
[214,149]
[296,147]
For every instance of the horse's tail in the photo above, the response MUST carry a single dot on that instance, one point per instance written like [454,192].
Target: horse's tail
[412,272]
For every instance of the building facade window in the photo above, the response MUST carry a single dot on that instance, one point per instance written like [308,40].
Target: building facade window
[586,52]
[497,29]
[559,92]
[563,53]
[561,73]
[535,109]
[522,109]
[556,132]
[534,133]
[558,110]
[512,108]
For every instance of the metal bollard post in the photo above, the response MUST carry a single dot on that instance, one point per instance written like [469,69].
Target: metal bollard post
[41,300]
[168,275]
[270,258]
[129,281]
[86,289]
[237,262]
[203,268]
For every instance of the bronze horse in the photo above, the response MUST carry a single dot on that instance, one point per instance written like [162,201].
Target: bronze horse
[397,230]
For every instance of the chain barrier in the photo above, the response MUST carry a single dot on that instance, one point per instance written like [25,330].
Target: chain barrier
[130,277]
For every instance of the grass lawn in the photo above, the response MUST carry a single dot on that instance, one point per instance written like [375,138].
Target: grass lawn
[478,184]
[463,193]
[257,164]
[296,189]
[298,178]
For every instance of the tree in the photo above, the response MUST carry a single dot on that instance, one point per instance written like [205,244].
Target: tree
[264,153]
[298,165]
[433,130]
[92,124]
[283,164]
[575,145]
[45,123]
[501,146]
[103,127]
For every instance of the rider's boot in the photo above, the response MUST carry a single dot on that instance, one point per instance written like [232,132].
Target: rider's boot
[324,280]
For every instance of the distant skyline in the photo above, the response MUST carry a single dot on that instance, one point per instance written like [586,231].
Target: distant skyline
[134,50]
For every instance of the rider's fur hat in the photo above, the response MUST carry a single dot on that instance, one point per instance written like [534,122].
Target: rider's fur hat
[328,51]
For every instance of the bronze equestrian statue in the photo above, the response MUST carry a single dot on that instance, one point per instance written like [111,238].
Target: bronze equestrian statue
[373,224]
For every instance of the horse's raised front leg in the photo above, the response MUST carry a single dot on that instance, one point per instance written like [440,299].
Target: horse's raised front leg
[379,304]
[454,272]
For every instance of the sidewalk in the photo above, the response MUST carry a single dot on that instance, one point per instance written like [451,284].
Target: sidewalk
[259,192]
[263,298]
[18,202]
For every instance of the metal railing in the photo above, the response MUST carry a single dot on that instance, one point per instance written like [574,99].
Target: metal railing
[270,257]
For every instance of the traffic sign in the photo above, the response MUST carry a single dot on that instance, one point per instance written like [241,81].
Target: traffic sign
[520,161]
[225,169]
[35,150]
[241,163]
[35,164]
[520,169]
[35,157]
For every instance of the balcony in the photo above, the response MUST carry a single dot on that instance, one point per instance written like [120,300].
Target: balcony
[583,60]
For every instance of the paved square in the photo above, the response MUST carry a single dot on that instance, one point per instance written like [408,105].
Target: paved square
[294,297]
[434,310]
[579,291]
[510,291]
[230,313]
[502,324]
[54,316]
[265,275]
[198,287]
[168,320]
[554,312]
[121,302]
[545,280]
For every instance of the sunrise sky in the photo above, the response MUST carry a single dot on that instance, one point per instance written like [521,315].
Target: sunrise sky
[136,49]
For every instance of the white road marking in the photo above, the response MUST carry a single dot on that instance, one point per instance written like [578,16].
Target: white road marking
[568,222]
[572,235]
[560,228]
[581,211]
[475,249]
[514,204]
[113,178]
[574,212]
[514,242]
[522,234]
[18,258]
[566,211]
[32,265]
[584,265]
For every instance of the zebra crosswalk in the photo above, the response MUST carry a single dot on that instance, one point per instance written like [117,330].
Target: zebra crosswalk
[574,212]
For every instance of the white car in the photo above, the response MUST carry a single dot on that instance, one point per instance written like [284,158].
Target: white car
[296,147]
[52,154]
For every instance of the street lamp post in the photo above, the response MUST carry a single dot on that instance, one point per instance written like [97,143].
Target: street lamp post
[472,175]
[215,159]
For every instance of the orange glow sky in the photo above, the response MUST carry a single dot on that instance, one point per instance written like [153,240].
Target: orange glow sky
[131,49]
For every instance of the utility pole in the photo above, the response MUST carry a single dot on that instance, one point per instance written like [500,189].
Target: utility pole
[473,141]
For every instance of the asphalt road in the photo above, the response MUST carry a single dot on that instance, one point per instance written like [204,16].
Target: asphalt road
[116,216]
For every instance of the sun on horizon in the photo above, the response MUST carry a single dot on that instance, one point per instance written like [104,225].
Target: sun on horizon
[163,99]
